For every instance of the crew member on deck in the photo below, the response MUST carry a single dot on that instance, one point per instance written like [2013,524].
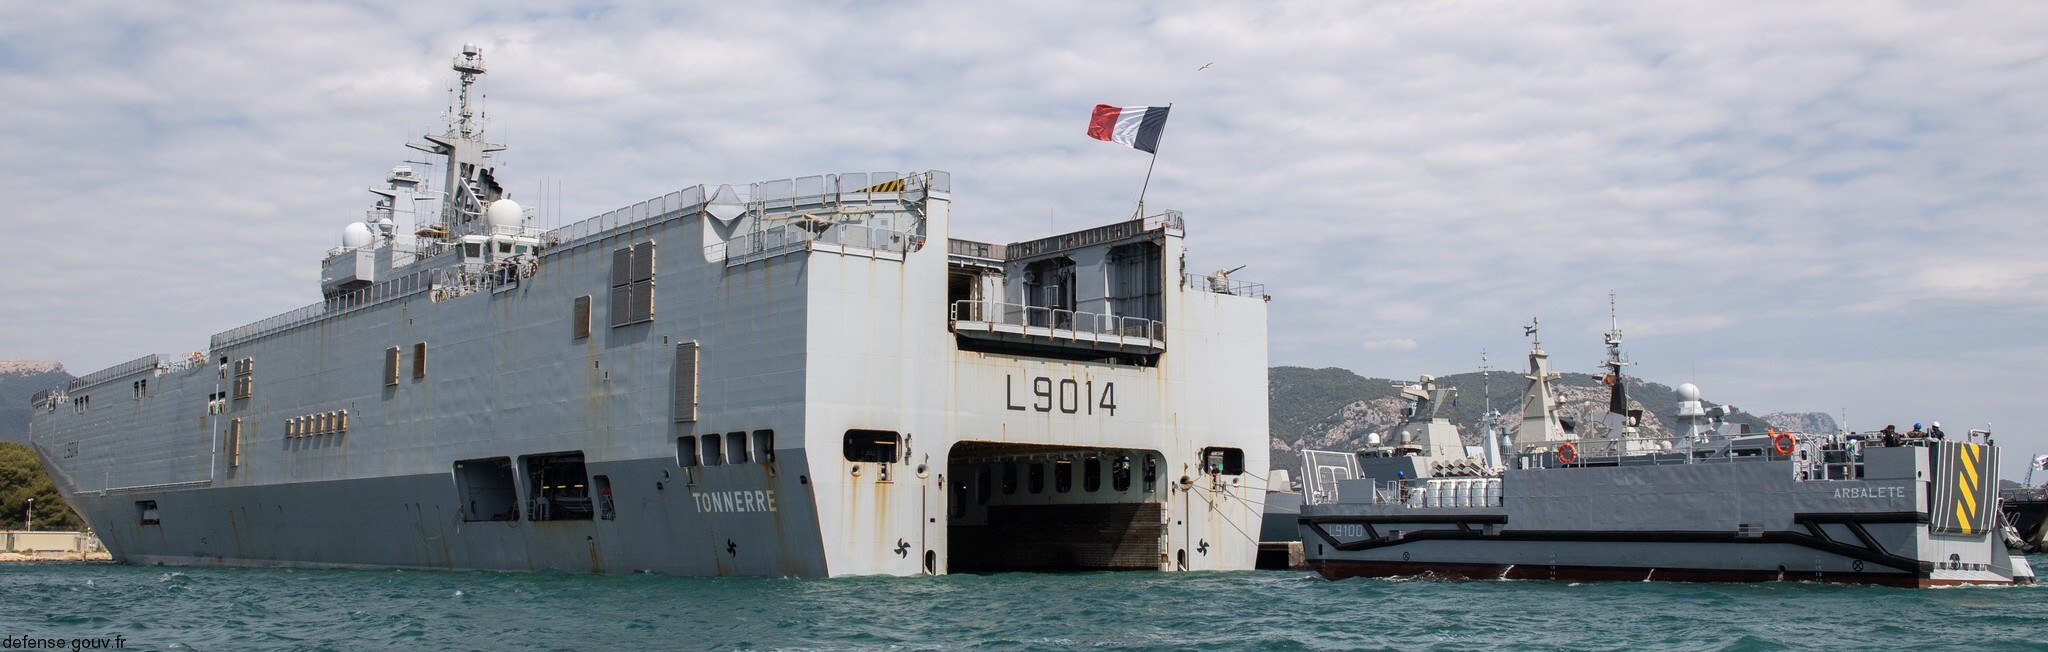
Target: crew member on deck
[1935,431]
[1890,435]
[1917,432]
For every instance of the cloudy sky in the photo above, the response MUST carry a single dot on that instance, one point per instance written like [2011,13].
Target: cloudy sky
[1826,206]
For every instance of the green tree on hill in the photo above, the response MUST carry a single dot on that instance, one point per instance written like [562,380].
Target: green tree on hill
[21,478]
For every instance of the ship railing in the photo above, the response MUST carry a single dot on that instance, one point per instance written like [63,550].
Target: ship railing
[781,239]
[972,249]
[2024,494]
[1825,457]
[337,305]
[977,253]
[822,190]
[513,230]
[425,249]
[1055,323]
[471,278]
[687,200]
[421,249]
[149,362]
[1447,492]
[1222,284]
[1322,474]
[1167,222]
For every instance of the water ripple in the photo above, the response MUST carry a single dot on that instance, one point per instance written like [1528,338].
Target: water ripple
[209,608]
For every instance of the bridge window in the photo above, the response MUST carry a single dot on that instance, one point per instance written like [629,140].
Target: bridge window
[1037,478]
[1009,477]
[1091,474]
[1063,475]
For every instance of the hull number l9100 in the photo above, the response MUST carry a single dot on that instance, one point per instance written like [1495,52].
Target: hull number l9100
[1066,395]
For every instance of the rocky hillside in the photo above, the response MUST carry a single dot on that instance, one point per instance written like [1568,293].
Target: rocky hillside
[1334,409]
[19,380]
[1801,421]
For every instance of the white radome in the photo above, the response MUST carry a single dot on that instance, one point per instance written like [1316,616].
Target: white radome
[1688,392]
[504,212]
[356,234]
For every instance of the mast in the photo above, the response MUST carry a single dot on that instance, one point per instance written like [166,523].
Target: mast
[1489,420]
[470,185]
[1617,396]
[1540,426]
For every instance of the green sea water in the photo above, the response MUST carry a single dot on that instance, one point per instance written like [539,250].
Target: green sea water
[158,608]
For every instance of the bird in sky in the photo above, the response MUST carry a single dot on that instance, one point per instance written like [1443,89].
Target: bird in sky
[1205,66]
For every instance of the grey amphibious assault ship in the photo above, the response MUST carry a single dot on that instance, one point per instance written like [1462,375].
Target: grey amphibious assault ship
[1710,503]
[802,377]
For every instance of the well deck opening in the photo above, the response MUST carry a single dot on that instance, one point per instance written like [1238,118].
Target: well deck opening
[1016,507]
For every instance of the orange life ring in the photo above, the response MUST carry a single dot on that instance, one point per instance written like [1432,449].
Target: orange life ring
[1781,442]
[1568,453]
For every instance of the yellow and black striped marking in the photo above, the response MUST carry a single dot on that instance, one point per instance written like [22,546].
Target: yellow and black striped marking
[1963,485]
[886,186]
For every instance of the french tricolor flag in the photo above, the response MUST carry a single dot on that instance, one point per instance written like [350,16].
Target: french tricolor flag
[1136,126]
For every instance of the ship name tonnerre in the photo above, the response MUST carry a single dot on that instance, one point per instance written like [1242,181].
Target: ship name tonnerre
[735,501]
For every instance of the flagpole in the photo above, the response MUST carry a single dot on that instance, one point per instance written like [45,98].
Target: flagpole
[1148,172]
[1148,185]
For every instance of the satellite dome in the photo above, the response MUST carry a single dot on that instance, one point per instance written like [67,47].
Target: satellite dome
[1688,392]
[504,212]
[356,234]
[1372,439]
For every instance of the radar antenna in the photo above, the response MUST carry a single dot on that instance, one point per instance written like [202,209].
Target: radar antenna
[470,185]
[470,64]
[1618,395]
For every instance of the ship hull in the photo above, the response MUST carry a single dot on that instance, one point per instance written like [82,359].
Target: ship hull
[718,526]
[1676,572]
[856,400]
[1757,519]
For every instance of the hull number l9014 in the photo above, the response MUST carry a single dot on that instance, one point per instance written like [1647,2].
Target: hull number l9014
[1066,395]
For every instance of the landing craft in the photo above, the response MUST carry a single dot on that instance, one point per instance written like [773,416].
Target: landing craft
[804,377]
[1714,502]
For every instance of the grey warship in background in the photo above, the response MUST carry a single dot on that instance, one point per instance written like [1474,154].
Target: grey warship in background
[1573,501]
[806,377]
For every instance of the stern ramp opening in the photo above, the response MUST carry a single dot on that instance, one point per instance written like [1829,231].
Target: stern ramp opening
[1026,507]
